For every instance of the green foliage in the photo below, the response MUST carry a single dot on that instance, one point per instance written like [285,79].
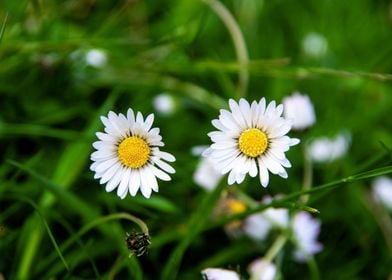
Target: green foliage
[57,222]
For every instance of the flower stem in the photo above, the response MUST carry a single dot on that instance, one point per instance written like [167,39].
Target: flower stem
[308,175]
[276,247]
[115,216]
[238,40]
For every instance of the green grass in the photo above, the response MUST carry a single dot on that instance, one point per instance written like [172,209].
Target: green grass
[57,222]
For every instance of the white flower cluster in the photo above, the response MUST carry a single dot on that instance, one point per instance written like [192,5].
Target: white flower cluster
[259,269]
[305,229]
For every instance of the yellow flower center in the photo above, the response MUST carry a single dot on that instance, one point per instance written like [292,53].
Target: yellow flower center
[133,152]
[253,142]
[235,206]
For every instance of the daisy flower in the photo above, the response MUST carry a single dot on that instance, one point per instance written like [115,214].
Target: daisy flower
[128,157]
[251,138]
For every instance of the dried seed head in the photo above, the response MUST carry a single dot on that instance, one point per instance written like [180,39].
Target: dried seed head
[138,243]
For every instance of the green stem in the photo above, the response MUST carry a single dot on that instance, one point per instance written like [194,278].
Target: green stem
[290,197]
[2,30]
[308,175]
[115,216]
[276,247]
[238,40]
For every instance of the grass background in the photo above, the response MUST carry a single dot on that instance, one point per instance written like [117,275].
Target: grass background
[51,103]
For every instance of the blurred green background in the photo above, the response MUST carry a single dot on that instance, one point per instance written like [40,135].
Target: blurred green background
[337,52]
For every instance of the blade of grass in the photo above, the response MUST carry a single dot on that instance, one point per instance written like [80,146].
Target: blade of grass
[238,42]
[70,165]
[325,187]
[2,30]
[95,224]
[44,222]
[37,130]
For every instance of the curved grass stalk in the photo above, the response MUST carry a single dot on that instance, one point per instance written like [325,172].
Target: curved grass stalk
[46,226]
[290,197]
[238,40]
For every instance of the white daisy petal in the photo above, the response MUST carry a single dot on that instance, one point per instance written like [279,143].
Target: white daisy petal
[150,177]
[283,174]
[105,121]
[294,141]
[124,194]
[164,166]
[145,188]
[106,165]
[105,137]
[240,177]
[279,110]
[127,155]
[114,181]
[104,146]
[251,139]
[93,166]
[232,177]
[218,125]
[227,120]
[246,113]
[123,187]
[139,118]
[134,182]
[102,155]
[253,168]
[237,115]
[270,110]
[148,122]
[264,176]
[166,156]
[131,116]
[160,174]
[109,173]
[116,124]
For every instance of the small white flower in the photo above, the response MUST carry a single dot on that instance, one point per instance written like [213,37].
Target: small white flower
[306,230]
[325,149]
[257,226]
[278,217]
[219,274]
[96,58]
[299,109]
[164,104]
[382,190]
[261,269]
[128,155]
[206,175]
[315,45]
[251,138]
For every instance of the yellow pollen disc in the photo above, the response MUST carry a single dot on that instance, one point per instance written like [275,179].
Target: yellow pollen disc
[253,142]
[236,206]
[133,152]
